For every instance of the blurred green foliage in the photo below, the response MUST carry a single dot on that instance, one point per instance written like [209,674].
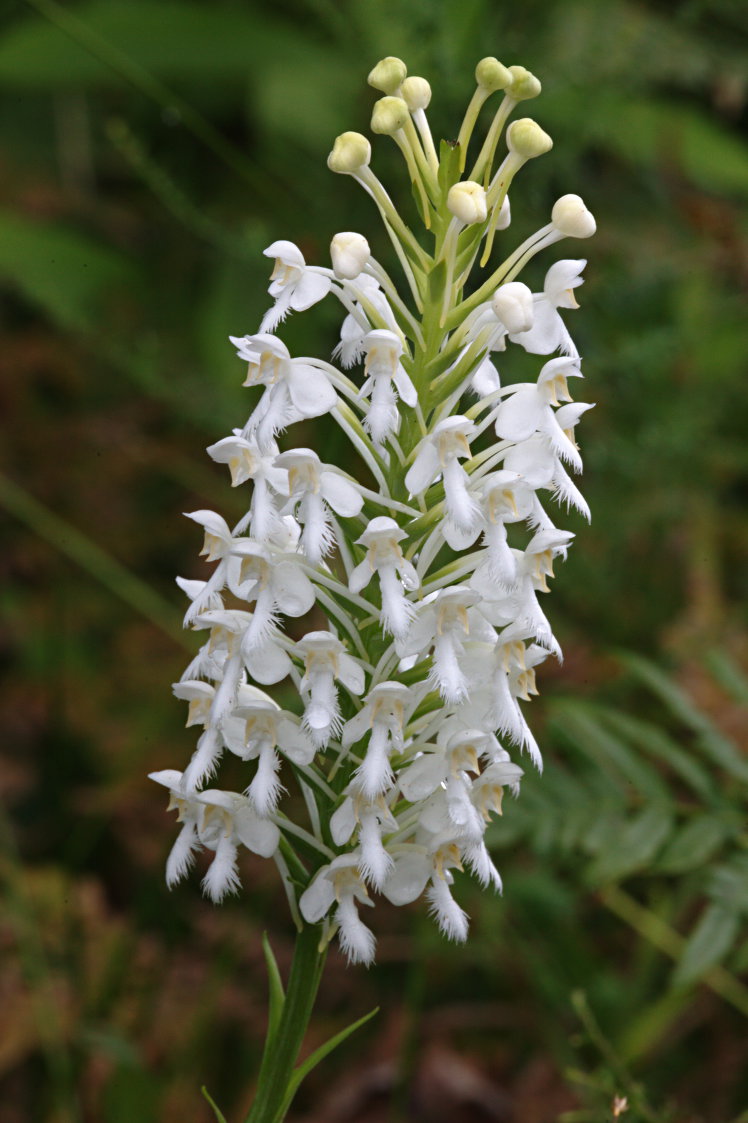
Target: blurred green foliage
[149,152]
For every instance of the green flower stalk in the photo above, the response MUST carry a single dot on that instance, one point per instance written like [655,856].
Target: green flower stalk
[396,591]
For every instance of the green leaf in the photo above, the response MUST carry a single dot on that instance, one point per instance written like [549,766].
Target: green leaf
[277,995]
[694,845]
[728,884]
[655,741]
[708,944]
[635,845]
[65,272]
[218,1113]
[714,744]
[728,674]
[303,1070]
[579,723]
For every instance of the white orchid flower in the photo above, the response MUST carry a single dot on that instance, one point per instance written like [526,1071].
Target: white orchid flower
[540,465]
[220,821]
[325,660]
[294,284]
[314,488]
[370,819]
[267,728]
[444,621]
[340,883]
[385,558]
[413,871]
[247,461]
[275,582]
[438,457]
[529,409]
[548,332]
[294,389]
[364,293]
[383,717]
[386,381]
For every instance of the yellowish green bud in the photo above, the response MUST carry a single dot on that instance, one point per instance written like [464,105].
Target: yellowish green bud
[467,201]
[350,152]
[349,252]
[492,75]
[416,93]
[526,138]
[388,75]
[523,85]
[389,115]
[571,217]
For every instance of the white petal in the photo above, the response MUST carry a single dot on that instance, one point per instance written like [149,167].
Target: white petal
[293,591]
[258,835]
[316,900]
[267,664]
[423,471]
[562,276]
[356,940]
[342,496]
[360,577]
[182,854]
[343,822]
[405,387]
[309,289]
[521,415]
[422,777]
[310,391]
[452,920]
[222,876]
[351,674]
[293,742]
[408,879]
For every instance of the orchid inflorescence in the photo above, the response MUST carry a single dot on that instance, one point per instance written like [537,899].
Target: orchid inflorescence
[415,569]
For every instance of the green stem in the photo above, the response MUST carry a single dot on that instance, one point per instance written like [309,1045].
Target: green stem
[282,1046]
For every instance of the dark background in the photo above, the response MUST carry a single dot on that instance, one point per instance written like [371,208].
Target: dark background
[149,151]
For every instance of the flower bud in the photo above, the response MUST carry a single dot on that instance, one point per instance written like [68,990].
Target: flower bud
[512,304]
[523,85]
[491,75]
[467,201]
[350,152]
[416,93]
[388,75]
[526,138]
[349,252]
[389,115]
[571,217]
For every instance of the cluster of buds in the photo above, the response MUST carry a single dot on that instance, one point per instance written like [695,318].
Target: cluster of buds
[395,593]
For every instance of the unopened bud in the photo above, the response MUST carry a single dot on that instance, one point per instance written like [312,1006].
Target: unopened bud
[350,152]
[526,138]
[349,252]
[512,304]
[523,84]
[571,217]
[491,75]
[416,93]
[389,115]
[388,75]
[467,201]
